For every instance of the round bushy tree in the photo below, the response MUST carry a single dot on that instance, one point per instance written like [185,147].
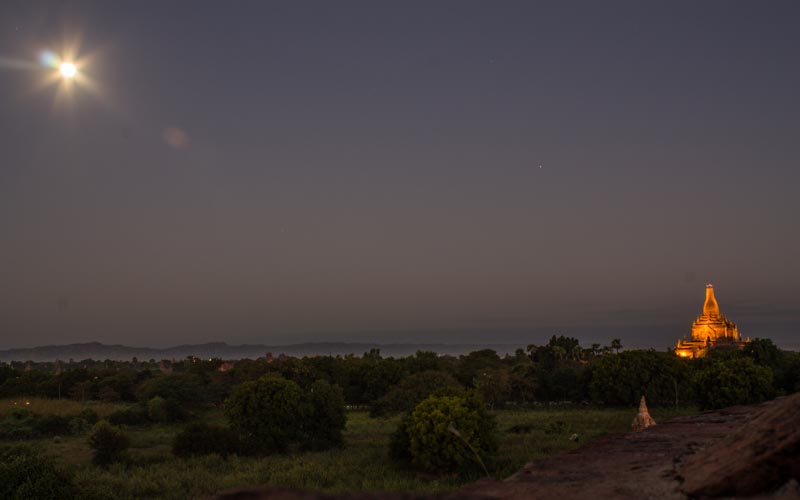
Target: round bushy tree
[731,382]
[157,409]
[327,418]
[268,413]
[108,442]
[447,433]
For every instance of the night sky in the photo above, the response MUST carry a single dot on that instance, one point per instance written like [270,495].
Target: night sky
[281,172]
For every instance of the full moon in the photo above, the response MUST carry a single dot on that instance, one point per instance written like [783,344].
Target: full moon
[68,70]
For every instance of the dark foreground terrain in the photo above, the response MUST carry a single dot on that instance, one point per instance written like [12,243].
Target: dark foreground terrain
[742,451]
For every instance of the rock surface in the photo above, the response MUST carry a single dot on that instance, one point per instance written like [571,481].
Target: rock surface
[293,494]
[735,452]
[743,451]
[765,452]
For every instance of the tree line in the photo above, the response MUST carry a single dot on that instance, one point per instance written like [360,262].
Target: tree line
[559,371]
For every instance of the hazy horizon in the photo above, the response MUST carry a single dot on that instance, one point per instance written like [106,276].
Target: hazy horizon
[778,326]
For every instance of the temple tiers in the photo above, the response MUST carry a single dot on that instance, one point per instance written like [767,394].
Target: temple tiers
[713,325]
[710,329]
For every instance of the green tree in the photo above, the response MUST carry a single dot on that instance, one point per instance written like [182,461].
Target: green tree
[108,442]
[732,381]
[494,385]
[164,410]
[447,433]
[471,366]
[791,375]
[764,352]
[268,413]
[7,373]
[624,378]
[424,361]
[557,350]
[522,382]
[324,425]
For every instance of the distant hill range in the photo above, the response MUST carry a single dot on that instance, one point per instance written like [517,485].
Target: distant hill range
[98,351]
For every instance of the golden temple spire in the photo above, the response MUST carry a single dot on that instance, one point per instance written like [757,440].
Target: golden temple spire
[710,307]
[709,330]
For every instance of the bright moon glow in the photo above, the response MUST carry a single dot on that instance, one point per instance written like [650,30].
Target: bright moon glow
[68,70]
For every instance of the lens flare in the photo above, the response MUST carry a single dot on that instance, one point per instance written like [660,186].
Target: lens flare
[48,59]
[68,70]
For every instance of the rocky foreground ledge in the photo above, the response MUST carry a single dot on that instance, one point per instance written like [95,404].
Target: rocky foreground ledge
[738,452]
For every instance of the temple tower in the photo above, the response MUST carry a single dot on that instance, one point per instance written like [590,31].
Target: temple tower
[710,307]
[710,329]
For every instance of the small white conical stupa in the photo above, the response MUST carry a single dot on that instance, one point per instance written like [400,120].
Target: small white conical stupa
[642,420]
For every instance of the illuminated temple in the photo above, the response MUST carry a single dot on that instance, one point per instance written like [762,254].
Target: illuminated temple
[710,329]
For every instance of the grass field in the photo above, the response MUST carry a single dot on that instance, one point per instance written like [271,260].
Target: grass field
[60,407]
[363,464]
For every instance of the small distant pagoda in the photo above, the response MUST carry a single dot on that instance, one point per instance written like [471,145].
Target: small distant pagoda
[710,329]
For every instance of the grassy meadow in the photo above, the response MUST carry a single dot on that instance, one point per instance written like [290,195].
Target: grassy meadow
[151,471]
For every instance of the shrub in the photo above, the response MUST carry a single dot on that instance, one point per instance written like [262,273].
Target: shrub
[83,421]
[10,452]
[185,389]
[400,444]
[52,425]
[108,442]
[89,416]
[20,414]
[130,416]
[29,477]
[268,413]
[18,425]
[447,433]
[203,439]
[327,419]
[556,427]
[732,381]
[157,410]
